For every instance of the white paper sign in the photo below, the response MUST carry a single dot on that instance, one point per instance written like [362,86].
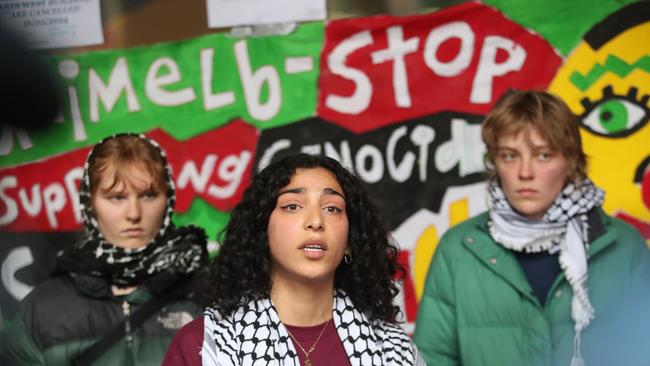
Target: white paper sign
[54,23]
[229,13]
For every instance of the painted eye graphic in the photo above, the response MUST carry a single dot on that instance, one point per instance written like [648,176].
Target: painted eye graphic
[614,115]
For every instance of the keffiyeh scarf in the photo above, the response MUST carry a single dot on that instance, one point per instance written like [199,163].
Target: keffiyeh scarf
[255,335]
[176,250]
[563,227]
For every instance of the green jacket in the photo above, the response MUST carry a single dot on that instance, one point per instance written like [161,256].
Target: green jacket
[479,309]
[64,316]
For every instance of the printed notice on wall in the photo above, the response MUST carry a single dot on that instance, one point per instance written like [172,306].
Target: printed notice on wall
[54,23]
[229,13]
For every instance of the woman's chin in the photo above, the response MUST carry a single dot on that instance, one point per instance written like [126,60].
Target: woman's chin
[131,243]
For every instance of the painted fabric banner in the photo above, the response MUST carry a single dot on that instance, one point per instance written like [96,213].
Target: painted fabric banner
[398,100]
[414,90]
[205,100]
[185,88]
[606,82]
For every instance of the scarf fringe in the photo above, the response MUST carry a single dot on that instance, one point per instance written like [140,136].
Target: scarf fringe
[577,359]
[582,311]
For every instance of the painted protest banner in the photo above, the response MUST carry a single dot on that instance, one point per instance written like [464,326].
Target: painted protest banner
[606,82]
[43,196]
[382,70]
[184,88]
[397,99]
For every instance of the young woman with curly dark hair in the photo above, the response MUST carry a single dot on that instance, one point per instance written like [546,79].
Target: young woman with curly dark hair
[305,276]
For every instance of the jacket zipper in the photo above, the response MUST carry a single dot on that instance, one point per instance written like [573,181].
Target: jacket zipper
[126,311]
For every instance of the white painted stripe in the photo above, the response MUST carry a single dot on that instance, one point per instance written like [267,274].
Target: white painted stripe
[295,65]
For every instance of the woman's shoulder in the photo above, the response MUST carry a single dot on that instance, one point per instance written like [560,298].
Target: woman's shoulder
[471,230]
[227,332]
[53,291]
[624,228]
[391,332]
[470,224]
[43,310]
[255,311]
[629,244]
[193,328]
[185,347]
[397,344]
[216,321]
[618,228]
[55,312]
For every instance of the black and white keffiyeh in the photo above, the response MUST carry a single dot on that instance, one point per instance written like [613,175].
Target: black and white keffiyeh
[176,250]
[563,227]
[254,335]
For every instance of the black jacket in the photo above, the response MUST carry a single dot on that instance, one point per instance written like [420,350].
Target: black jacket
[64,316]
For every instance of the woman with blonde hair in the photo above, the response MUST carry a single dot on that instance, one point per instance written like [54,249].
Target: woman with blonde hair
[544,277]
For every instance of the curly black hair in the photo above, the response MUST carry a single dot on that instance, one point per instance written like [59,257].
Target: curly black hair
[241,271]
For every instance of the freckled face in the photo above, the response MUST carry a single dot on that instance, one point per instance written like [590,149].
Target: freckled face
[308,229]
[532,175]
[130,214]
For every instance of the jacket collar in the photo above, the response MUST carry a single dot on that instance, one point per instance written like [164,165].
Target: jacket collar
[504,264]
[604,233]
[100,288]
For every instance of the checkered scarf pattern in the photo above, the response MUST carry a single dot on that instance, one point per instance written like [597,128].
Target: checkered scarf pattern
[178,250]
[254,335]
[564,226]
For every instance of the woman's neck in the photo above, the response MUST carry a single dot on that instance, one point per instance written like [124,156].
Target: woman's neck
[303,304]
[122,291]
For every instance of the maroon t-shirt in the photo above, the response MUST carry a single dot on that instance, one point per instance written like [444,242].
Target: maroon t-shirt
[186,345]
[329,349]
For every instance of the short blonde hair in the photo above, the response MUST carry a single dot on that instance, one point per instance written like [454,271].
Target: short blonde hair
[525,110]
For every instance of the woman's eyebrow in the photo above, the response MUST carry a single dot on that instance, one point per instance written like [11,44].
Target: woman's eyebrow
[332,191]
[540,147]
[113,189]
[303,190]
[292,190]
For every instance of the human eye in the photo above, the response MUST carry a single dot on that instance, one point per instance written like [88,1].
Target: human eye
[507,156]
[290,207]
[544,156]
[116,197]
[614,115]
[333,209]
[149,195]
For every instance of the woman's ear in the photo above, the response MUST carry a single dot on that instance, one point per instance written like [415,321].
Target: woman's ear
[347,256]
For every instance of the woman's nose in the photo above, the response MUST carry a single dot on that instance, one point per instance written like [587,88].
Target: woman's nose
[314,219]
[526,169]
[134,212]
